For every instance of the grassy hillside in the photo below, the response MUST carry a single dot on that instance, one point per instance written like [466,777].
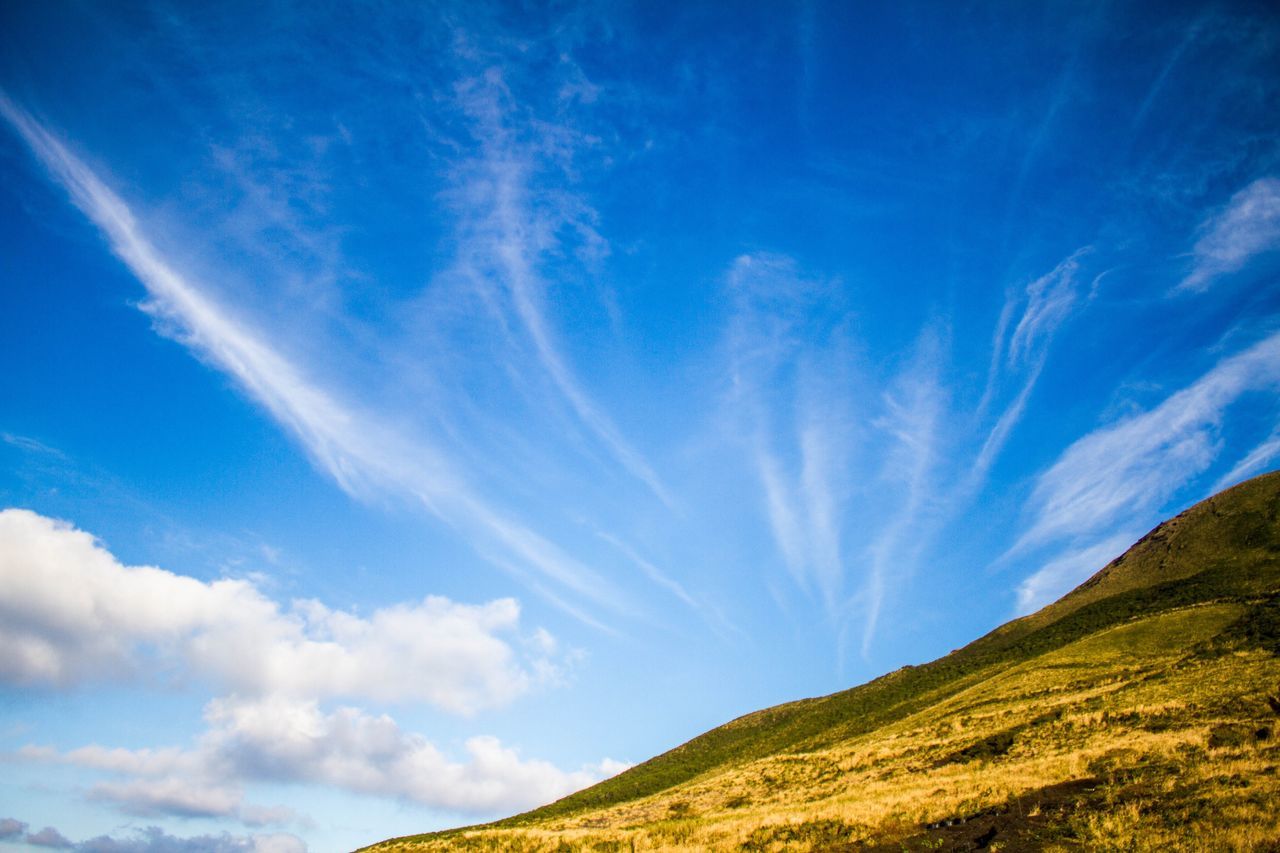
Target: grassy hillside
[1134,707]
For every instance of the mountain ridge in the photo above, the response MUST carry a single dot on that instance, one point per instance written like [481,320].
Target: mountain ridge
[1220,557]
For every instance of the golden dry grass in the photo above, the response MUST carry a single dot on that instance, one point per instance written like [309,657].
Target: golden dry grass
[1177,743]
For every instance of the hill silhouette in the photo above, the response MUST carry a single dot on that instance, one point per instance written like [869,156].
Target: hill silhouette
[1139,707]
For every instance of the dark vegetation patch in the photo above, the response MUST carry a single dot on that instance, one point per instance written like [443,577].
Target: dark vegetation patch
[992,746]
[1025,823]
[1259,627]
[815,834]
[680,808]
[1228,735]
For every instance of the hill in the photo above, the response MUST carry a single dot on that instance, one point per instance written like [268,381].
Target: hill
[1140,710]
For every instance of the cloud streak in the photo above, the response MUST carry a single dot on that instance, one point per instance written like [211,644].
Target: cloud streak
[1247,227]
[1254,462]
[507,232]
[1064,573]
[795,448]
[356,449]
[1132,467]
[1046,303]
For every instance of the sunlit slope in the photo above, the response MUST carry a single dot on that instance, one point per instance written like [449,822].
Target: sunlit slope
[1126,703]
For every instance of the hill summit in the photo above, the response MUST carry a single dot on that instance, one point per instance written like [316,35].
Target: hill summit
[1141,710]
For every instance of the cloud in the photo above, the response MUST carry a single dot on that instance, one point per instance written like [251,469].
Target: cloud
[279,739]
[652,572]
[11,828]
[48,837]
[1248,226]
[1065,573]
[1254,462]
[70,612]
[509,227]
[359,451]
[153,839]
[1046,303]
[785,369]
[847,474]
[913,422]
[1130,468]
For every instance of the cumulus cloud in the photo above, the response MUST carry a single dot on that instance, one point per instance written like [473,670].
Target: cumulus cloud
[11,828]
[1132,467]
[69,612]
[155,840]
[279,739]
[1249,226]
[48,837]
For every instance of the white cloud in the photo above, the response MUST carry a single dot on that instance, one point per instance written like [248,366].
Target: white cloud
[358,450]
[1249,226]
[279,739]
[1065,573]
[509,227]
[1129,469]
[69,612]
[1046,303]
[914,419]
[180,796]
[1254,462]
[785,364]
[1049,300]
[848,476]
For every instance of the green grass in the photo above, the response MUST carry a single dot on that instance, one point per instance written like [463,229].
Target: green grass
[1224,550]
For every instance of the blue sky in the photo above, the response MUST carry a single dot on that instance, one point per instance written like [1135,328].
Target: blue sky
[413,413]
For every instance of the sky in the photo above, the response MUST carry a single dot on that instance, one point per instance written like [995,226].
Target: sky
[412,413]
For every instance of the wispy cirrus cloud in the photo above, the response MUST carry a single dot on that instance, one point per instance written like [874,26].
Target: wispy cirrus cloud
[1254,462]
[510,227]
[1020,349]
[856,474]
[847,471]
[353,446]
[1094,501]
[916,404]
[1065,572]
[1132,467]
[1248,226]
[785,386]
